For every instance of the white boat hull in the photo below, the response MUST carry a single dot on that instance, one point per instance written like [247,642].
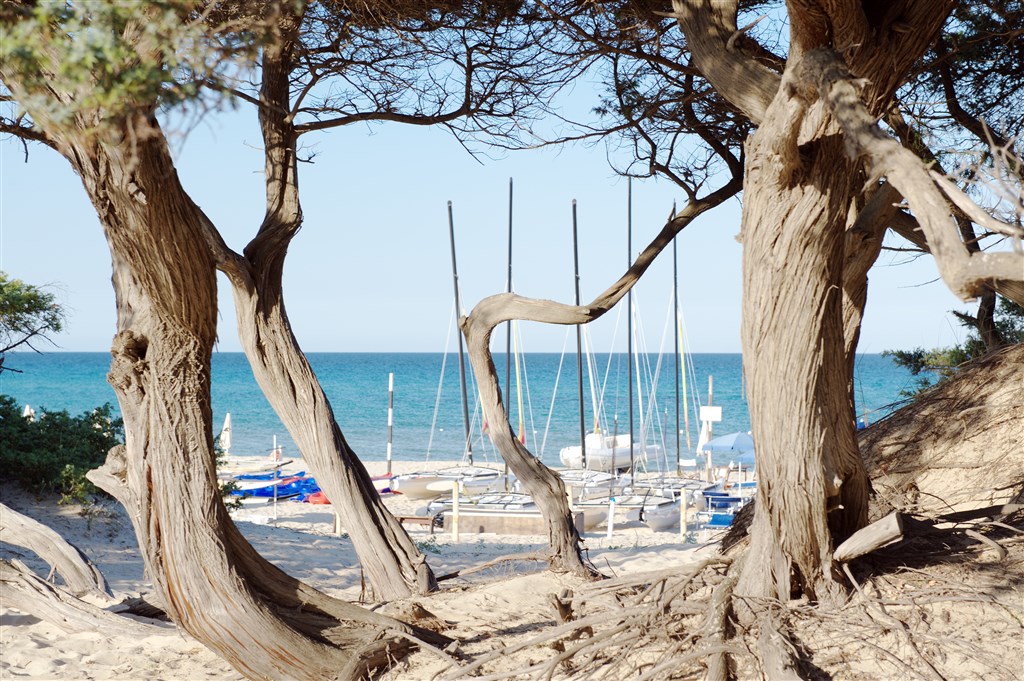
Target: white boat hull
[659,517]
[432,484]
[606,458]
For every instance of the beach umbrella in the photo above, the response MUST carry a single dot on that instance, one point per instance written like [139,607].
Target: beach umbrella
[224,439]
[733,442]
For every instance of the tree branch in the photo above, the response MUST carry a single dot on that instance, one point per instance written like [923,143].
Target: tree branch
[964,272]
[708,26]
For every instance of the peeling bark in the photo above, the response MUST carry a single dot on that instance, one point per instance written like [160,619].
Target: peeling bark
[809,238]
[811,483]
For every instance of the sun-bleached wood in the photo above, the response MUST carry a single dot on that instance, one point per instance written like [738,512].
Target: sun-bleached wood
[80,575]
[25,591]
[878,534]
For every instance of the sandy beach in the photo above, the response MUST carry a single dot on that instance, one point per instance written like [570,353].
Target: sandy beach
[301,540]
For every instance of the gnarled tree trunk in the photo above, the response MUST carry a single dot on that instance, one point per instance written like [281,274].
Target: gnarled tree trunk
[211,581]
[804,176]
[393,564]
[810,476]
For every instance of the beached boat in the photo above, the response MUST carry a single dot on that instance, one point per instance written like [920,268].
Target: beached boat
[583,483]
[605,453]
[671,486]
[496,501]
[431,484]
[658,513]
[629,501]
[284,487]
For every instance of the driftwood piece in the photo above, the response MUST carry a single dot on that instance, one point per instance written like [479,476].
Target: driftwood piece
[25,591]
[79,573]
[871,538]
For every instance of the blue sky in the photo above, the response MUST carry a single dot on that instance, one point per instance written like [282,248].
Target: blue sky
[370,270]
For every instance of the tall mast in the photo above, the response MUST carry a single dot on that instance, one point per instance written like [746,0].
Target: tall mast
[629,312]
[508,327]
[675,324]
[462,352]
[579,339]
[508,289]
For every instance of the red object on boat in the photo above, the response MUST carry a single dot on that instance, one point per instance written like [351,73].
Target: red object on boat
[317,498]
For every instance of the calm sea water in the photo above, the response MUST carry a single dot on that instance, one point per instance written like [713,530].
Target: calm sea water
[428,422]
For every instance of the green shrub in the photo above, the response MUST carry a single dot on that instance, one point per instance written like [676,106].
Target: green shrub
[54,452]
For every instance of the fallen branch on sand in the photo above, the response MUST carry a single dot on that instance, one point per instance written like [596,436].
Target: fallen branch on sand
[25,591]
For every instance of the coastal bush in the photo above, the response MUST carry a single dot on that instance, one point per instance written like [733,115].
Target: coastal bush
[941,364]
[27,314]
[54,451]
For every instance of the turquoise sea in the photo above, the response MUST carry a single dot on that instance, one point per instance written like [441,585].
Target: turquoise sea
[428,422]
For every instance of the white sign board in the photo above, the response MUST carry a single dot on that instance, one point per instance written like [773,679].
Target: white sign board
[712,414]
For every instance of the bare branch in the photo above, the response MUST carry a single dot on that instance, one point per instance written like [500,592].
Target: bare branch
[965,273]
[709,26]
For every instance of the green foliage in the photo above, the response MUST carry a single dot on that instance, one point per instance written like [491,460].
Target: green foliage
[231,502]
[118,58]
[27,313]
[53,452]
[940,364]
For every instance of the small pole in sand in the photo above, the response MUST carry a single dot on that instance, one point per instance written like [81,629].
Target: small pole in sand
[277,457]
[391,412]
[611,517]
[337,524]
[682,516]
[455,510]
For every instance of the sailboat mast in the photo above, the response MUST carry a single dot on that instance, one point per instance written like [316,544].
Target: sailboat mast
[508,327]
[579,339]
[675,324]
[508,289]
[462,352]
[629,312]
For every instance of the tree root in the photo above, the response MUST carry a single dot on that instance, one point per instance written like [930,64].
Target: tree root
[25,591]
[528,556]
[79,573]
[677,624]
[651,626]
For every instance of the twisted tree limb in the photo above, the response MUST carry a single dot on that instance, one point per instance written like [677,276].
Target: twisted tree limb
[964,272]
[80,575]
[25,591]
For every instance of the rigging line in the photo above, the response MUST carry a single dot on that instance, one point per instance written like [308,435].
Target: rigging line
[653,417]
[688,365]
[440,381]
[591,371]
[519,384]
[529,396]
[682,371]
[660,430]
[607,372]
[636,365]
[554,393]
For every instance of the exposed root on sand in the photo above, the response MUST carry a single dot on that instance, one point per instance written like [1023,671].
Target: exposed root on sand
[939,605]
